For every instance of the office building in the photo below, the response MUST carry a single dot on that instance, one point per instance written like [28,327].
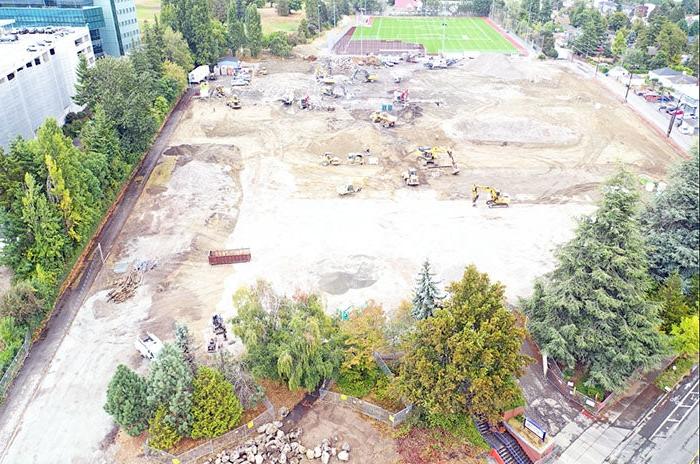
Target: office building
[113,27]
[38,72]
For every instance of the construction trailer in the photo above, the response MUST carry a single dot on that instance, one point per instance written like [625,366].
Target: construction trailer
[198,74]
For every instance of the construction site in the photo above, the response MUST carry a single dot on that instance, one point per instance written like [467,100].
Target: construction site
[339,176]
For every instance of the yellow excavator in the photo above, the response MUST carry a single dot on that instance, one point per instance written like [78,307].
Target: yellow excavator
[498,199]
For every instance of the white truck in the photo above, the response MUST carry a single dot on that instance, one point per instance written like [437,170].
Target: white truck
[198,74]
[148,345]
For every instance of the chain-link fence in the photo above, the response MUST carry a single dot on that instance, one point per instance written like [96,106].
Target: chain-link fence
[520,28]
[15,366]
[230,438]
[363,407]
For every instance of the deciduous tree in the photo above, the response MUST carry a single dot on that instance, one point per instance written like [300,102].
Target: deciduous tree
[466,358]
[686,336]
[21,303]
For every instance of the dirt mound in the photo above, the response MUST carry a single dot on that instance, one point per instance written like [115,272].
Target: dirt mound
[519,130]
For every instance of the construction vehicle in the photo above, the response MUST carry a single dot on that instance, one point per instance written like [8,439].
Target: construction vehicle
[401,96]
[148,345]
[348,189]
[410,177]
[304,103]
[218,325]
[328,159]
[366,76]
[497,200]
[385,119]
[262,71]
[234,102]
[359,158]
[428,157]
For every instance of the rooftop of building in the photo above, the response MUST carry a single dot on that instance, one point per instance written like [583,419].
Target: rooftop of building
[21,46]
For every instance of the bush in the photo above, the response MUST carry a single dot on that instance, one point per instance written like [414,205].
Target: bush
[21,303]
[161,435]
[460,425]
[11,338]
[279,44]
[282,7]
[215,408]
[355,384]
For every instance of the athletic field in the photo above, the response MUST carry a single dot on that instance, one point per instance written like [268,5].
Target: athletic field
[460,34]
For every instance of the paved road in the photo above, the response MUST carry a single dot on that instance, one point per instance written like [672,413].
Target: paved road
[669,431]
[658,120]
[28,382]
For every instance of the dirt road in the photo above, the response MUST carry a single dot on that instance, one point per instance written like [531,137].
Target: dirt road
[37,378]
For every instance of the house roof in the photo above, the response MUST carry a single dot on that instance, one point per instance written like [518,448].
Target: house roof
[666,72]
[684,79]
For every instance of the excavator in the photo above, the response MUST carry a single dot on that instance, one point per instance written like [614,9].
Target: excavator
[428,157]
[366,76]
[498,199]
[234,102]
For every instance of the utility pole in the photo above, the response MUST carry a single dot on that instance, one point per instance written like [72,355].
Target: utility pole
[629,84]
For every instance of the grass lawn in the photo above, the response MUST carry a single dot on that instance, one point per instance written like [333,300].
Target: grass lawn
[271,22]
[460,34]
[145,9]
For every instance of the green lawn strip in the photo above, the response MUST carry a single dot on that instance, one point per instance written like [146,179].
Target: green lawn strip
[670,377]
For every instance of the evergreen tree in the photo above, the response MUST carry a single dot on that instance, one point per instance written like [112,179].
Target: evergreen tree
[236,29]
[426,296]
[466,358]
[127,401]
[21,302]
[183,340]
[592,310]
[619,44]
[253,30]
[546,11]
[82,86]
[215,408]
[312,16]
[99,138]
[161,435]
[170,385]
[672,224]
[153,43]
[673,303]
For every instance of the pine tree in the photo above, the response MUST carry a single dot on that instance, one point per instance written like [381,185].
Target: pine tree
[312,16]
[546,11]
[466,358]
[170,385]
[426,296]
[253,30]
[673,303]
[82,86]
[619,44]
[672,224]
[183,340]
[592,310]
[127,401]
[99,137]
[215,408]
[236,29]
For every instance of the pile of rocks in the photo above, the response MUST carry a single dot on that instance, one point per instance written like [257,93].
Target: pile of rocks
[273,446]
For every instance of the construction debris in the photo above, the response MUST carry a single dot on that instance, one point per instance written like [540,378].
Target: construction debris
[125,287]
[273,445]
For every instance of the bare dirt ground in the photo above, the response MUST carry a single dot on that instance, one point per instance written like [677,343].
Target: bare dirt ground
[252,178]
[368,445]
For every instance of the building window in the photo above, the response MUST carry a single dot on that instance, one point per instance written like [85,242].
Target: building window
[10,76]
[29,65]
[37,61]
[52,51]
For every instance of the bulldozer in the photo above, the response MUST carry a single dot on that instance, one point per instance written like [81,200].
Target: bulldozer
[329,159]
[359,158]
[385,119]
[410,177]
[366,75]
[401,96]
[498,199]
[234,102]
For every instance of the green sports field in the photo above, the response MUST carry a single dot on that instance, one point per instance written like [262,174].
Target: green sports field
[460,34]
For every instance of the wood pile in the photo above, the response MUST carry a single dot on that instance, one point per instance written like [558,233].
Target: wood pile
[125,287]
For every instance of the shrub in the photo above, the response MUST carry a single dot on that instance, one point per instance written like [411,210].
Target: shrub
[215,407]
[460,425]
[279,44]
[161,435]
[21,303]
[127,401]
[11,338]
[357,384]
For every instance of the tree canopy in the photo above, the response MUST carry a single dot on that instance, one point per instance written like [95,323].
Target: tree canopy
[465,359]
[127,401]
[593,310]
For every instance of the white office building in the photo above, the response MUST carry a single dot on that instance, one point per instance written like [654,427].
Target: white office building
[38,76]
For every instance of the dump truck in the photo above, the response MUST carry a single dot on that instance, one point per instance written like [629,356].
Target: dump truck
[238,255]
[148,345]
